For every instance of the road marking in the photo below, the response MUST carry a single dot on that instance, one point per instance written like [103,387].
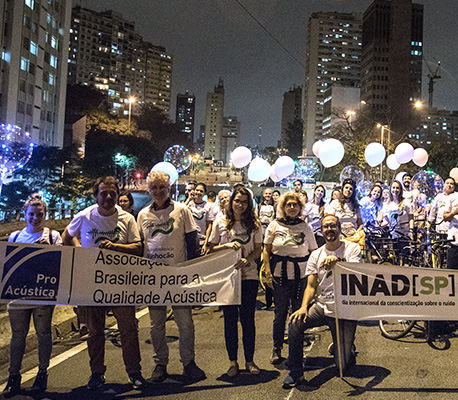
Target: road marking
[32,373]
[290,394]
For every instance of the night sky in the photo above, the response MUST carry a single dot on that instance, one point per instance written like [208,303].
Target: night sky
[210,39]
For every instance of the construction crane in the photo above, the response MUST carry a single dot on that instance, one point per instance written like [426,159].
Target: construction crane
[432,77]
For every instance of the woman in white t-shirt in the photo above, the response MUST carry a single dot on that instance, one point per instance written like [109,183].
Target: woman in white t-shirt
[240,229]
[20,314]
[346,208]
[397,213]
[371,207]
[315,210]
[287,244]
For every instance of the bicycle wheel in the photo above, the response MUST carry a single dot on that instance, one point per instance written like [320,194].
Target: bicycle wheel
[395,328]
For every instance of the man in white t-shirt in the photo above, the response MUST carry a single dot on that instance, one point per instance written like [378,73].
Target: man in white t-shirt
[170,237]
[318,304]
[440,204]
[107,226]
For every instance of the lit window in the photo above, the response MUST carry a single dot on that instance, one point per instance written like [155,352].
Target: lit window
[51,79]
[53,42]
[30,3]
[33,48]
[24,64]
[53,61]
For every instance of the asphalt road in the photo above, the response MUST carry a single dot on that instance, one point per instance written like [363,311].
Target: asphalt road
[405,369]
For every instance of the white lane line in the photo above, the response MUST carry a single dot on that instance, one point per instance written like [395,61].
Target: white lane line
[290,395]
[32,373]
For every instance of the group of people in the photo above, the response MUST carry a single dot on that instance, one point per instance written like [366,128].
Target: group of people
[296,241]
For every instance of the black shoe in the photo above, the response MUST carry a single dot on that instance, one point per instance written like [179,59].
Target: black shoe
[13,387]
[96,381]
[159,373]
[41,381]
[292,381]
[137,381]
[276,357]
[192,371]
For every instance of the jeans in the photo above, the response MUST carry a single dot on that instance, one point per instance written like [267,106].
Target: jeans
[284,296]
[183,319]
[316,317]
[128,329]
[245,311]
[20,323]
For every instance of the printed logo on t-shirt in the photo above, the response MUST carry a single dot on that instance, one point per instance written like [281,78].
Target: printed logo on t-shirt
[297,239]
[241,238]
[112,236]
[198,215]
[165,228]
[269,214]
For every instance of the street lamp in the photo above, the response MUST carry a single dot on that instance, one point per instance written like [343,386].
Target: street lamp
[350,113]
[130,100]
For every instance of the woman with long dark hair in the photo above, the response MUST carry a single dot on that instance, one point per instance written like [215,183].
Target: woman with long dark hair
[240,229]
[315,211]
[371,207]
[287,244]
[346,208]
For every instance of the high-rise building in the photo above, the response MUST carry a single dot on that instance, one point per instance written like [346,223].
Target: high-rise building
[158,77]
[214,122]
[230,139]
[437,126]
[291,110]
[333,56]
[33,75]
[391,61]
[107,53]
[341,105]
[184,117]
[200,141]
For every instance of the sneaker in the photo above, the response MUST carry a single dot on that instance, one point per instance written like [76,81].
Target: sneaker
[96,381]
[159,373]
[276,357]
[192,371]
[41,381]
[292,381]
[13,387]
[137,381]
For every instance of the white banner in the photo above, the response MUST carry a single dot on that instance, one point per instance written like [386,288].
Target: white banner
[90,276]
[375,291]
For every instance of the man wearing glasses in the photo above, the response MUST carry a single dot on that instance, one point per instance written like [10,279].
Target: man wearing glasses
[318,304]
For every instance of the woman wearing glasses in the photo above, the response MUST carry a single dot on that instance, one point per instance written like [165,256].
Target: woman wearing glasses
[240,229]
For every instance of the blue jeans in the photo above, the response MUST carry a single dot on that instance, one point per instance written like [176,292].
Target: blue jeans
[284,296]
[245,311]
[316,318]
[20,323]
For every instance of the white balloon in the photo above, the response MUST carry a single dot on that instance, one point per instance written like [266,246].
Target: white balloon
[404,153]
[392,163]
[454,173]
[241,156]
[374,154]
[331,152]
[259,170]
[273,176]
[420,157]
[167,168]
[316,148]
[400,176]
[284,166]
